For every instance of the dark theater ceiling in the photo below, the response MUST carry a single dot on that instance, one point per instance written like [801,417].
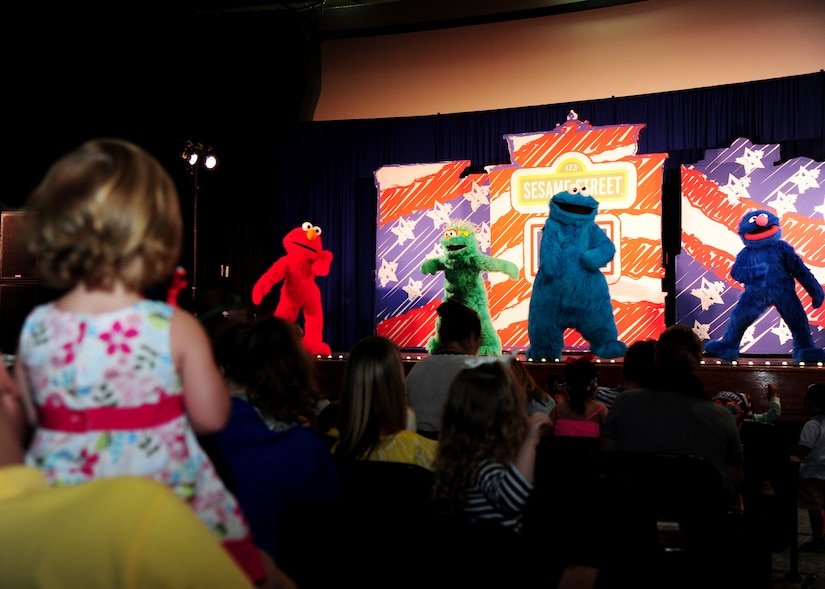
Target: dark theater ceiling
[352,18]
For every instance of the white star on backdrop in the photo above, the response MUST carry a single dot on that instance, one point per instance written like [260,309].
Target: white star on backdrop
[805,179]
[404,229]
[440,214]
[413,289]
[736,188]
[783,203]
[709,293]
[479,195]
[386,273]
[751,160]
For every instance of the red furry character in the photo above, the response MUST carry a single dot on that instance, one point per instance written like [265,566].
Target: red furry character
[304,260]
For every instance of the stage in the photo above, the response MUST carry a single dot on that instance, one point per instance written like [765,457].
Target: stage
[750,374]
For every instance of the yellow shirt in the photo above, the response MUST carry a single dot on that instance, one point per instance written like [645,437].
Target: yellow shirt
[125,533]
[405,446]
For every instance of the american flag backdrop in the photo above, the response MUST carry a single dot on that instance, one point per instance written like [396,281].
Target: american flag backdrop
[509,204]
[716,193]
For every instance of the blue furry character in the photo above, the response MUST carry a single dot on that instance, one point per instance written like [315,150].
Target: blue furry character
[767,266]
[462,264]
[570,289]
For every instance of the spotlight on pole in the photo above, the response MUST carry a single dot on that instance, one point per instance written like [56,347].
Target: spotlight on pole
[197,156]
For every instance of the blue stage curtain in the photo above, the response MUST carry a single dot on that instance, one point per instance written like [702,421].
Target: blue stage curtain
[323,171]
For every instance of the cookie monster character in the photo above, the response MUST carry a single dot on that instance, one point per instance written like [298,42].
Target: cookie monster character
[569,289]
[768,266]
[462,264]
[305,259]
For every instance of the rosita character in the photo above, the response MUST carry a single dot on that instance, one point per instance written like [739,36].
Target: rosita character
[462,264]
[305,259]
[570,290]
[768,267]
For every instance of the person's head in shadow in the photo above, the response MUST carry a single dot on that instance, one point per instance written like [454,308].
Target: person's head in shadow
[230,349]
[483,420]
[581,379]
[638,364]
[678,356]
[373,398]
[458,328]
[279,373]
[537,398]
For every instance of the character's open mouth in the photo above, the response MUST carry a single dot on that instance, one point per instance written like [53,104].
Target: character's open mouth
[305,246]
[578,209]
[762,232]
[455,248]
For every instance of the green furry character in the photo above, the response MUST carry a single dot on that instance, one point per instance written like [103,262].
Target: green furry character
[463,264]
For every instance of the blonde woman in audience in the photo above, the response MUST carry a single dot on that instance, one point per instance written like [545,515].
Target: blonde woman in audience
[373,413]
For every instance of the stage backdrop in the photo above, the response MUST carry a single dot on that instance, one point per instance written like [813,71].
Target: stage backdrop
[509,205]
[716,193]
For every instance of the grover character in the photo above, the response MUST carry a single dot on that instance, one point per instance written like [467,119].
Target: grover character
[569,289]
[768,266]
[305,259]
[462,265]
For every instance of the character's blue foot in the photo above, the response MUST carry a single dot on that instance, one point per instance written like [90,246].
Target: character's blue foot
[722,349]
[809,355]
[539,354]
[614,349]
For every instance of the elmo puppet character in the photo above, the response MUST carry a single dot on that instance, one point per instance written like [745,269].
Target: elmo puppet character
[305,259]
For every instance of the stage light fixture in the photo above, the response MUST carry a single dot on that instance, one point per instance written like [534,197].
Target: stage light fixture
[210,162]
[197,156]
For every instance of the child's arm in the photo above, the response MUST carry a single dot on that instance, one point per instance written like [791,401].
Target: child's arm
[537,425]
[774,407]
[205,396]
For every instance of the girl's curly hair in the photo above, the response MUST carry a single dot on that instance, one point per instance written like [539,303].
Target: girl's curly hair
[483,420]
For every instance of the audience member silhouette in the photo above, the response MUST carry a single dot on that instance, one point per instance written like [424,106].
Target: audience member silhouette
[537,398]
[373,413]
[740,405]
[459,331]
[675,415]
[810,452]
[580,414]
[637,369]
[268,454]
[487,448]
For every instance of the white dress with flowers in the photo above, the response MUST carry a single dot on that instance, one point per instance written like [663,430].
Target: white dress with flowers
[109,400]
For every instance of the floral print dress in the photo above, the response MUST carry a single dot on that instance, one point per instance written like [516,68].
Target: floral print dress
[110,403]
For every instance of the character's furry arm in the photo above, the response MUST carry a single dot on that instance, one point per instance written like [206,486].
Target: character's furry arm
[433,265]
[748,268]
[498,265]
[797,268]
[600,249]
[320,266]
[269,279]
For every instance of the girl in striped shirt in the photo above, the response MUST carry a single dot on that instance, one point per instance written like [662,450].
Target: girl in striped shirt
[487,447]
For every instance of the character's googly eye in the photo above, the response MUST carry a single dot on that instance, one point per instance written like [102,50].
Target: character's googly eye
[752,219]
[306,226]
[450,233]
[317,230]
[584,191]
[573,189]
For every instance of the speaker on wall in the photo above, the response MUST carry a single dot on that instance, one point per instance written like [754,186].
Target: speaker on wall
[15,261]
